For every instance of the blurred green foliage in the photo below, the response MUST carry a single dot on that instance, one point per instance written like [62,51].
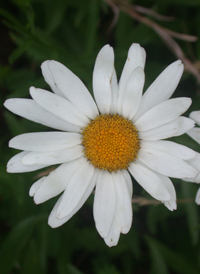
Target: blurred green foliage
[72,32]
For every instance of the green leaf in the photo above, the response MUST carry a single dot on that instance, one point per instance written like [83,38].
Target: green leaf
[158,264]
[16,241]
[189,192]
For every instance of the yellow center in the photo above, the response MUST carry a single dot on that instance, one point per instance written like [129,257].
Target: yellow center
[110,142]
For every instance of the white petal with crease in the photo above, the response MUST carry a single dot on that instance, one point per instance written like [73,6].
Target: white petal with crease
[73,88]
[194,133]
[75,190]
[135,59]
[162,88]
[163,113]
[113,236]
[175,128]
[15,165]
[48,77]
[169,147]
[52,157]
[114,88]
[57,180]
[34,188]
[128,180]
[104,203]
[133,93]
[149,181]
[195,115]
[102,78]
[59,106]
[30,110]
[45,141]
[123,211]
[53,221]
[166,164]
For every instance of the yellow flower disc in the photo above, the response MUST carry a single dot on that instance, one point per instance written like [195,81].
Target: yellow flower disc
[110,142]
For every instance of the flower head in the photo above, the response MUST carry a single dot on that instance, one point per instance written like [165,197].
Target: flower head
[101,142]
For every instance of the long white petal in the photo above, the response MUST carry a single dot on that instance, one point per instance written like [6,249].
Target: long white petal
[45,141]
[104,203]
[57,180]
[197,199]
[113,235]
[163,113]
[135,59]
[166,164]
[194,133]
[53,221]
[15,165]
[59,106]
[171,204]
[123,211]
[133,93]
[114,88]
[195,115]
[102,78]
[48,77]
[175,128]
[34,188]
[75,190]
[195,162]
[162,88]
[129,182]
[149,181]
[170,148]
[72,88]
[30,110]
[52,157]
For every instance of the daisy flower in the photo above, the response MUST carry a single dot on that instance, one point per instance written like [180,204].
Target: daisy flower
[194,133]
[100,143]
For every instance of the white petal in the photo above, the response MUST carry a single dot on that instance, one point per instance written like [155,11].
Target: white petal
[73,88]
[113,235]
[133,93]
[75,190]
[162,88]
[48,77]
[30,110]
[34,188]
[175,128]
[169,147]
[171,204]
[102,78]
[166,164]
[53,221]
[194,133]
[149,181]
[128,180]
[104,203]
[163,113]
[195,162]
[57,180]
[59,106]
[123,211]
[114,88]
[197,199]
[195,115]
[135,58]
[52,157]
[15,165]
[45,141]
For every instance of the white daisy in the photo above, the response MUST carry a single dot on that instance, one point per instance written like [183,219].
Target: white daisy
[102,143]
[194,133]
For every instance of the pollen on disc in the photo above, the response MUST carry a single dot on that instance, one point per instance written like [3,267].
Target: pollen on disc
[110,142]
